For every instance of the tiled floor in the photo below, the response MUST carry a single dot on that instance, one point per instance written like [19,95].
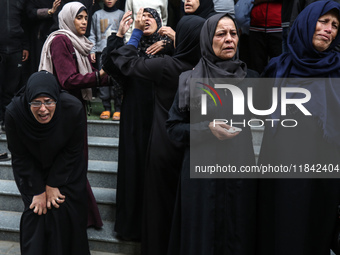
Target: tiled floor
[12,248]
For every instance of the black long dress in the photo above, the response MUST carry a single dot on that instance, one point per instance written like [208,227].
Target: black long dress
[134,133]
[53,157]
[164,157]
[213,216]
[297,216]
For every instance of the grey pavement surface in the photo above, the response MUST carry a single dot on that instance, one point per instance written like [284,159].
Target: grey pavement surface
[13,248]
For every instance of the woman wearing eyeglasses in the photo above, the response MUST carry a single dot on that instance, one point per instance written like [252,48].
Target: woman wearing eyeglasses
[45,137]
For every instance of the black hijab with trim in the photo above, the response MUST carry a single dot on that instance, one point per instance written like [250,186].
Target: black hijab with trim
[210,68]
[39,83]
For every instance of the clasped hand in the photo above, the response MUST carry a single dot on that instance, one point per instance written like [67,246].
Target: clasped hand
[52,196]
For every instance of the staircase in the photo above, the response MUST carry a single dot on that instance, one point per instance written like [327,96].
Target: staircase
[102,175]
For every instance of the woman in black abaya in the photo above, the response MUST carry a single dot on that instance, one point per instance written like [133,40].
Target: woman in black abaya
[135,126]
[45,134]
[213,216]
[298,216]
[164,157]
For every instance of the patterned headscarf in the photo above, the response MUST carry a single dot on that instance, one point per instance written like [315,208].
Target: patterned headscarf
[146,41]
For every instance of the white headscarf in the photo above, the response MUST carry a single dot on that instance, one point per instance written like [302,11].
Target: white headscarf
[81,44]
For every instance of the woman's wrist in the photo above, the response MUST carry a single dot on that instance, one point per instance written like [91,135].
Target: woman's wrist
[135,37]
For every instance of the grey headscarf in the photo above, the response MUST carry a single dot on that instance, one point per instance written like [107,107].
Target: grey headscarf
[210,68]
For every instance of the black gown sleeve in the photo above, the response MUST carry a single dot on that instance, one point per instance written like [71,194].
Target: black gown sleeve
[178,123]
[113,42]
[179,127]
[128,62]
[69,161]
[27,174]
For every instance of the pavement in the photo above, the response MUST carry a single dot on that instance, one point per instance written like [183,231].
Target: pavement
[13,248]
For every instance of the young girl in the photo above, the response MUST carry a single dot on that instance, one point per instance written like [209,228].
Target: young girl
[104,22]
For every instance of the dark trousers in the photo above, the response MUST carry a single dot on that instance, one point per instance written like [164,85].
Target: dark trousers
[108,93]
[263,46]
[10,79]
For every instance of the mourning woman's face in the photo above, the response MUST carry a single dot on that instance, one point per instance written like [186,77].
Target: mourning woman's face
[80,22]
[43,113]
[225,39]
[150,24]
[190,6]
[325,31]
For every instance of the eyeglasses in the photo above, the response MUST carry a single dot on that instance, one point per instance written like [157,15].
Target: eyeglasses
[38,104]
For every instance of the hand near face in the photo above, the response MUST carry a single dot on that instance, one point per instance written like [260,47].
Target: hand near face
[125,24]
[56,4]
[168,31]
[38,204]
[54,197]
[140,21]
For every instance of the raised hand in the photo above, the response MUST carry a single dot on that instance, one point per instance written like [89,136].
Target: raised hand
[125,24]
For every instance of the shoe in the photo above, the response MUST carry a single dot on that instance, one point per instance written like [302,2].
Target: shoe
[4,156]
[105,115]
[116,116]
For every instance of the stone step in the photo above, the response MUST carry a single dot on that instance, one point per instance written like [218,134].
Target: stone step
[103,128]
[100,148]
[100,173]
[10,200]
[100,240]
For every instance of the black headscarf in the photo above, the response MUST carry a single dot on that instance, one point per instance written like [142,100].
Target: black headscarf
[39,84]
[146,41]
[188,32]
[205,9]
[210,68]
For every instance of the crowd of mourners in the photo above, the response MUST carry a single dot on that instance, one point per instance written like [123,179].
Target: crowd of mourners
[152,64]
